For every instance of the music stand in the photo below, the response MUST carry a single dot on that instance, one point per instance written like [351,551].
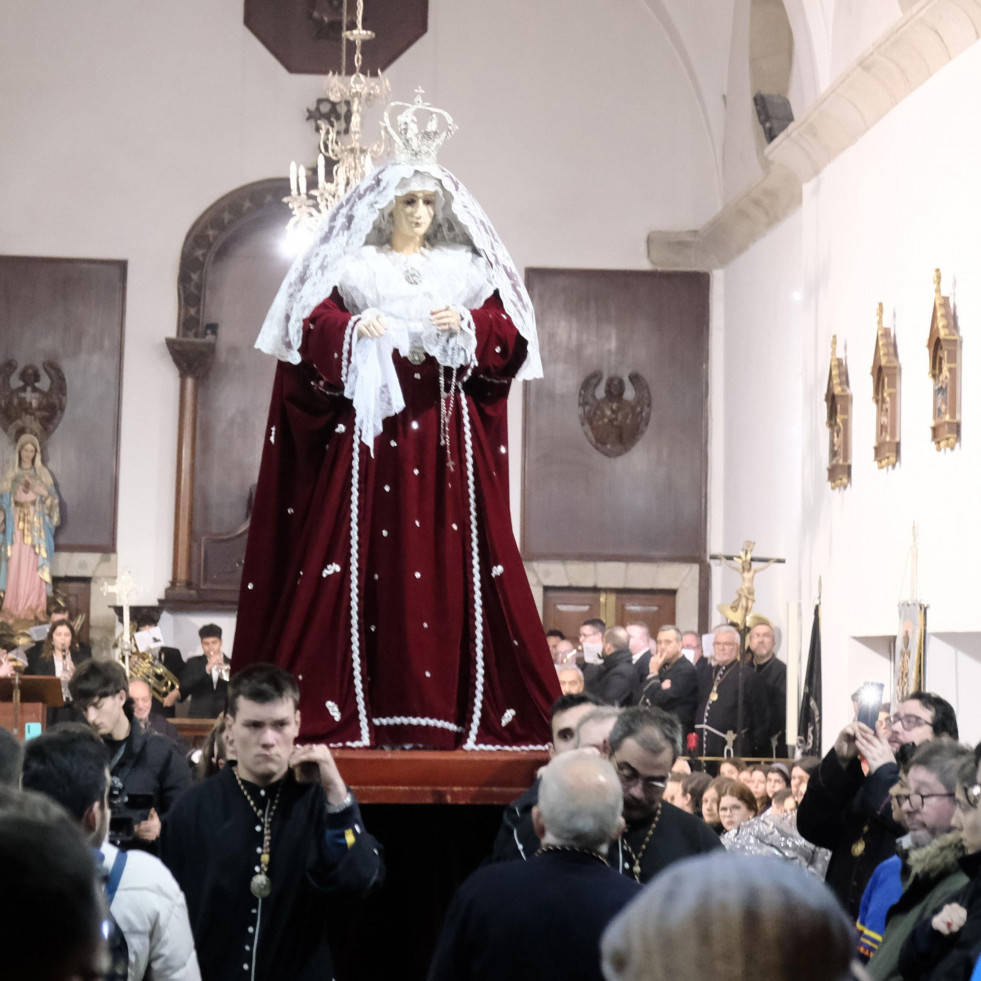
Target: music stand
[40,690]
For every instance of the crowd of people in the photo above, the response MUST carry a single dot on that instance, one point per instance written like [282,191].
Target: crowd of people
[864,863]
[726,703]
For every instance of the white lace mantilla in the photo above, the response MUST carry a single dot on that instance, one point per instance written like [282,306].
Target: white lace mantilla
[372,282]
[351,223]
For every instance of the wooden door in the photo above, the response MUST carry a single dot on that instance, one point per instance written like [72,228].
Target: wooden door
[565,608]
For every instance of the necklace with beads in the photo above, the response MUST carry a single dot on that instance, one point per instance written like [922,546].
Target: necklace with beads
[714,694]
[571,848]
[637,856]
[261,886]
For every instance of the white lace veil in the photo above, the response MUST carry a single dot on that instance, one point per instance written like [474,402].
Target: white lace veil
[359,218]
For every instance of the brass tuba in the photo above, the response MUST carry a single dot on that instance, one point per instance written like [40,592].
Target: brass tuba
[146,667]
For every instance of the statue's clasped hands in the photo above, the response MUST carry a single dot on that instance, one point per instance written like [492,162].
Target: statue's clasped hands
[442,318]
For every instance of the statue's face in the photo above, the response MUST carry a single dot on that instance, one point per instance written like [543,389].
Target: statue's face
[413,213]
[27,454]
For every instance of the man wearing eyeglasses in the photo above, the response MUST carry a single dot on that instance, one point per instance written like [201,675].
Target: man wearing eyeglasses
[848,810]
[644,744]
[948,944]
[925,872]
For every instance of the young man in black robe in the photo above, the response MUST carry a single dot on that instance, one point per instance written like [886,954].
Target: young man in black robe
[262,849]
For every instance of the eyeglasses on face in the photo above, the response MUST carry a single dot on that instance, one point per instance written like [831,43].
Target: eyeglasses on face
[733,809]
[917,801]
[629,776]
[972,795]
[908,722]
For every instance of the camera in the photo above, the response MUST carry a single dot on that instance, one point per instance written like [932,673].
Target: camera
[126,810]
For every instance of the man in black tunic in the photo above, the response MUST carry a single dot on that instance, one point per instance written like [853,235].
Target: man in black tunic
[718,706]
[772,672]
[263,849]
[644,744]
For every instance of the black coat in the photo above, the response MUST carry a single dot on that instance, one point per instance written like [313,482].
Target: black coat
[675,689]
[528,921]
[722,714]
[319,862]
[207,698]
[773,674]
[37,665]
[149,765]
[615,680]
[516,836]
[848,812]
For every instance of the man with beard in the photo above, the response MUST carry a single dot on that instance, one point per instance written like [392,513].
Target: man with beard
[772,672]
[849,812]
[926,867]
[644,744]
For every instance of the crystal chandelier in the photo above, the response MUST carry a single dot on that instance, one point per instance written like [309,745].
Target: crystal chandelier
[353,161]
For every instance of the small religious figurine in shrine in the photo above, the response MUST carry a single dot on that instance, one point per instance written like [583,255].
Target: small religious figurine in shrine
[737,612]
[381,567]
[29,514]
[941,386]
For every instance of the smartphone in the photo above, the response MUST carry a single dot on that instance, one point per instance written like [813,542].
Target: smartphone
[870,703]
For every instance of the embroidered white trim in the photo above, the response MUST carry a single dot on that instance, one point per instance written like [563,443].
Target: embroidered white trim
[477,600]
[415,720]
[335,712]
[515,749]
[355,613]
[507,717]
[497,570]
[330,570]
[272,434]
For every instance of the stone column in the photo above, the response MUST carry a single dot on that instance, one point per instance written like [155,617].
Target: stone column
[193,358]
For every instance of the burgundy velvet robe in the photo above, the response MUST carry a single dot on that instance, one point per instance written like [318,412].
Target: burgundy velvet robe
[430,642]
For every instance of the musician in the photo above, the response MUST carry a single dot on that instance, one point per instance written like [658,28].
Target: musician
[143,715]
[205,677]
[170,657]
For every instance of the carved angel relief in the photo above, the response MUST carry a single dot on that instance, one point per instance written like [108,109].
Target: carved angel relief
[26,408]
[613,424]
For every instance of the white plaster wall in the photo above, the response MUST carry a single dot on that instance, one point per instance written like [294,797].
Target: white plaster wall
[760,407]
[854,25]
[122,122]
[755,431]
[873,226]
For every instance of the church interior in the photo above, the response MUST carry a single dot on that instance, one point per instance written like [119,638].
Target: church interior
[622,139]
[755,212]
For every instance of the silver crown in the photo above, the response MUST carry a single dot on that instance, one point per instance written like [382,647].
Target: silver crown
[413,144]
